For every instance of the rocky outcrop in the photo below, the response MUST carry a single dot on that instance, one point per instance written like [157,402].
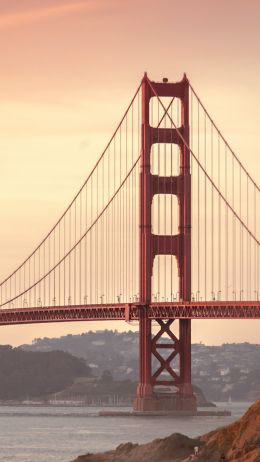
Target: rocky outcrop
[159,450]
[238,442]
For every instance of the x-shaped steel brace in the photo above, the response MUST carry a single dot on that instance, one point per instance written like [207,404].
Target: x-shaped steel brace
[165,364]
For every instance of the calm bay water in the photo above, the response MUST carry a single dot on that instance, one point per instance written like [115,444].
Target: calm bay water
[46,434]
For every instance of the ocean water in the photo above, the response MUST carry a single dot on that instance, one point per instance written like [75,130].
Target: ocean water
[60,434]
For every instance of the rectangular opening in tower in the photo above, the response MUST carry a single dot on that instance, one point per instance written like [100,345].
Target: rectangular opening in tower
[165,284]
[165,215]
[164,111]
[165,159]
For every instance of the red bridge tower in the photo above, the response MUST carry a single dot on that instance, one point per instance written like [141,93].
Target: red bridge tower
[179,246]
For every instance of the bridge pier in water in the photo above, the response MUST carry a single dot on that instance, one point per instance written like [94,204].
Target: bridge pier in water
[147,399]
[151,245]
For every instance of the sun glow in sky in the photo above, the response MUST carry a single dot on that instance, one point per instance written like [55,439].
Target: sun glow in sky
[69,68]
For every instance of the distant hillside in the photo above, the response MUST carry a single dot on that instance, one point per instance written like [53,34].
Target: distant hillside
[222,372]
[27,374]
[103,350]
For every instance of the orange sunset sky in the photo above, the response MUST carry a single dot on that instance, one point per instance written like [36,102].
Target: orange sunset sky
[67,71]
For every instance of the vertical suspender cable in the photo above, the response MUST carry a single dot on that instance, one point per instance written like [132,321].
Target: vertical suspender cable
[80,246]
[198,199]
[97,275]
[59,269]
[91,268]
[131,233]
[120,217]
[75,255]
[86,265]
[191,166]
[255,249]
[205,206]
[240,243]
[247,241]
[54,262]
[212,217]
[219,224]
[64,266]
[226,228]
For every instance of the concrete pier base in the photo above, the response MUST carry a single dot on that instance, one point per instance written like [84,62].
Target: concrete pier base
[168,403]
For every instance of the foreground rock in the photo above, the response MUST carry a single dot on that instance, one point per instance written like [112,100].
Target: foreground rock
[238,442]
[158,450]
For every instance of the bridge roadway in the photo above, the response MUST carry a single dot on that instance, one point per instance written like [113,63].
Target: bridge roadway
[131,311]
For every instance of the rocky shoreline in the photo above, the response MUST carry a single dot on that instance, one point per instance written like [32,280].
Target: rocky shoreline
[238,442]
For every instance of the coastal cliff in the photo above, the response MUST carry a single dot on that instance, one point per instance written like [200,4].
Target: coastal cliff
[238,442]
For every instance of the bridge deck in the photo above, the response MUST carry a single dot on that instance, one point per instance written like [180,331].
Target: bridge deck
[131,311]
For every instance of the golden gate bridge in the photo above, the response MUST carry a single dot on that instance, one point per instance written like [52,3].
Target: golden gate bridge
[164,229]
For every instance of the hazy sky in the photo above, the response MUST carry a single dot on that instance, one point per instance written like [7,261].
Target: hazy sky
[68,70]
